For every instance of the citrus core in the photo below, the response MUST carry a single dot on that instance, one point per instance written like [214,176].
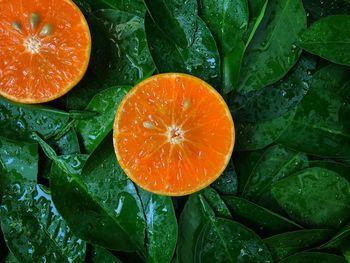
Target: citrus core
[44,49]
[173,134]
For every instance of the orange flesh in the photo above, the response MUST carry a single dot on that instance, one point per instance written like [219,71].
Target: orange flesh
[173,134]
[31,73]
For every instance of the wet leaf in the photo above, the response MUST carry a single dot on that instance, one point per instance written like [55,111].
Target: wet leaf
[67,144]
[338,240]
[257,10]
[321,120]
[193,217]
[18,121]
[341,168]
[315,197]
[275,100]
[227,183]
[276,163]
[92,131]
[120,55]
[100,204]
[269,56]
[11,259]
[286,244]
[258,135]
[29,219]
[314,257]
[101,255]
[321,8]
[329,38]
[161,226]
[136,7]
[175,18]
[258,218]
[223,240]
[201,58]
[228,22]
[216,203]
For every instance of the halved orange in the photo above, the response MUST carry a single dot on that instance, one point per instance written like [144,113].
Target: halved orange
[173,134]
[45,49]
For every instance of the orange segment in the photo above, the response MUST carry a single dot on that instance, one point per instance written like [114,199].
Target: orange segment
[173,134]
[45,48]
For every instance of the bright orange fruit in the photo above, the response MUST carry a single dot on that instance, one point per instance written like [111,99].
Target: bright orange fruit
[45,48]
[173,134]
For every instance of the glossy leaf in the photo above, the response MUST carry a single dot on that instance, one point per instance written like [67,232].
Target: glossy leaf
[256,136]
[161,226]
[101,204]
[329,38]
[261,220]
[321,8]
[193,217]
[92,131]
[223,240]
[120,55]
[321,121]
[67,144]
[136,7]
[276,163]
[338,239]
[175,18]
[216,203]
[101,255]
[227,183]
[316,197]
[18,121]
[286,244]
[244,163]
[341,168]
[228,21]
[19,160]
[275,100]
[269,56]
[314,257]
[257,10]
[201,58]
[29,219]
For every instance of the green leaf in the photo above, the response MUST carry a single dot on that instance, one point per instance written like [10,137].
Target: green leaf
[321,120]
[228,21]
[270,56]
[120,55]
[33,229]
[161,226]
[101,255]
[101,204]
[341,168]
[67,144]
[257,10]
[338,239]
[19,159]
[329,38]
[136,7]
[18,121]
[261,220]
[275,100]
[258,135]
[11,259]
[227,183]
[193,217]
[223,240]
[276,163]
[316,197]
[313,257]
[321,8]
[175,18]
[216,203]
[201,58]
[92,131]
[286,244]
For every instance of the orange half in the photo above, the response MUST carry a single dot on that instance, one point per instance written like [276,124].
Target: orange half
[45,49]
[173,134]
